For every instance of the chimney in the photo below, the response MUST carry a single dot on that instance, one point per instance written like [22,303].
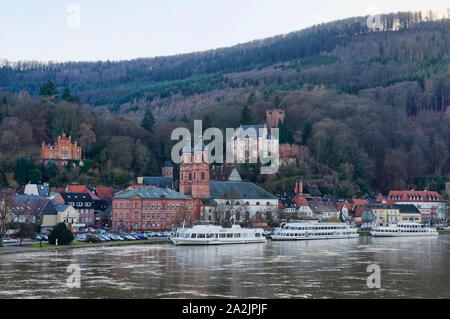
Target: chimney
[296,188]
[300,188]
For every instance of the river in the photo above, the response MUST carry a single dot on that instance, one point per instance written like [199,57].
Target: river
[410,268]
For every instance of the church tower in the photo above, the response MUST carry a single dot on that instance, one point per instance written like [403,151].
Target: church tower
[194,171]
[186,168]
[200,185]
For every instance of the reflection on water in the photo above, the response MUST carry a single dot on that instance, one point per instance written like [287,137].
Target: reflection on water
[410,267]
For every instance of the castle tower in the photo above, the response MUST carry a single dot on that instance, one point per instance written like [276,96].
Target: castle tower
[273,117]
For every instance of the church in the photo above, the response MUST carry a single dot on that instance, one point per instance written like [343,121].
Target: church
[219,193]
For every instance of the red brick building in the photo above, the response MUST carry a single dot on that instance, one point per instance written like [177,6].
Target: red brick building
[151,209]
[61,152]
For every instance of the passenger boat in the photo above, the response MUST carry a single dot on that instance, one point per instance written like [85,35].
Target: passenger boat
[404,230]
[309,231]
[217,235]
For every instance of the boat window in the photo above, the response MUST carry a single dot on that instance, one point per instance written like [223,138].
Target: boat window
[257,234]
[193,235]
[229,235]
[222,235]
[209,235]
[237,235]
[201,235]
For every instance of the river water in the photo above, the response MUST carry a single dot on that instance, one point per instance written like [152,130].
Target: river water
[410,268]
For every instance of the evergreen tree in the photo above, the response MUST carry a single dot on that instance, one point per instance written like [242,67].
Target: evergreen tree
[148,122]
[246,116]
[62,234]
[285,135]
[48,89]
[67,96]
[34,175]
[21,168]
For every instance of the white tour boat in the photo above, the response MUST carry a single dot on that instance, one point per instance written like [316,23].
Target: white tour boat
[309,231]
[217,235]
[403,230]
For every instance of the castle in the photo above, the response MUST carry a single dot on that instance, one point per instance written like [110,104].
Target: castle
[63,151]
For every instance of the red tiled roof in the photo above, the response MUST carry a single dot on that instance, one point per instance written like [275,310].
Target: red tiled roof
[300,200]
[412,196]
[105,192]
[359,211]
[359,201]
[80,189]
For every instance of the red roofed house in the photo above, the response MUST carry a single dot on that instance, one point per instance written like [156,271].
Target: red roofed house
[80,189]
[105,192]
[429,203]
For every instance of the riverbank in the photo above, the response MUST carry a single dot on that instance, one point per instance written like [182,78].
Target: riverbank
[47,247]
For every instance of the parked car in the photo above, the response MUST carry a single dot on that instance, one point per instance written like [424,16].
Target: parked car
[92,238]
[44,237]
[81,238]
[38,238]
[116,237]
[9,241]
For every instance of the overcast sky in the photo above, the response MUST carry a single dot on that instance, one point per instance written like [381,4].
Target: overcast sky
[47,30]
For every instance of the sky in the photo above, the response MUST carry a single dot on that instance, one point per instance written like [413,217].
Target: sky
[91,30]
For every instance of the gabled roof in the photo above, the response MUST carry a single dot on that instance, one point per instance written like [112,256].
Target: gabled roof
[31,203]
[105,192]
[321,207]
[413,196]
[407,209]
[287,200]
[61,208]
[80,189]
[76,197]
[150,193]
[49,209]
[238,190]
[158,181]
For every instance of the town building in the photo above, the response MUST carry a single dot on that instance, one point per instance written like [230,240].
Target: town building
[151,209]
[385,214]
[231,201]
[164,181]
[409,213]
[63,151]
[362,216]
[103,207]
[82,202]
[37,190]
[324,211]
[429,203]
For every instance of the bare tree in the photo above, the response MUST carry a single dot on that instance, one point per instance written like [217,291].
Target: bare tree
[7,204]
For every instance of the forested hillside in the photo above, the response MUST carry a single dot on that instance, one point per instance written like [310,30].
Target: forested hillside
[370,108]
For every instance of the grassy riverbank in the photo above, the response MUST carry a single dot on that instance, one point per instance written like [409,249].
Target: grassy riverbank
[442,231]
[363,232]
[36,246]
